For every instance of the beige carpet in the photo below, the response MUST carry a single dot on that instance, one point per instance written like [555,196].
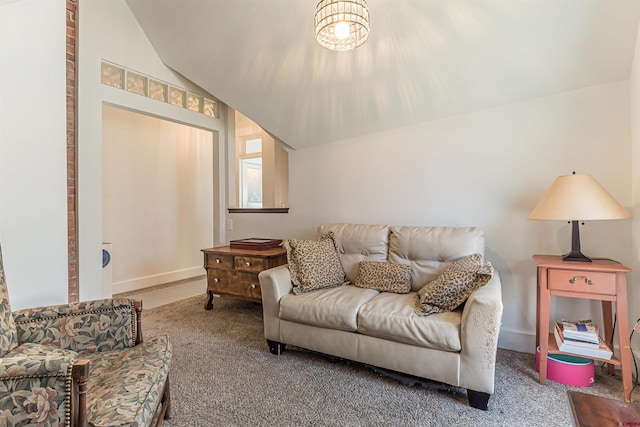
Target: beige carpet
[223,375]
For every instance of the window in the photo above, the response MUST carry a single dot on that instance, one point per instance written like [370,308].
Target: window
[261,166]
[116,76]
[250,168]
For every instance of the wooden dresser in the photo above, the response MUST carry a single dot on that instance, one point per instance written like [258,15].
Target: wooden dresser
[234,272]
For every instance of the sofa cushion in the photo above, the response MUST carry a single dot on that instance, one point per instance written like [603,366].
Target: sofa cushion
[384,276]
[125,386]
[358,242]
[453,286]
[392,317]
[430,249]
[333,308]
[314,264]
[74,325]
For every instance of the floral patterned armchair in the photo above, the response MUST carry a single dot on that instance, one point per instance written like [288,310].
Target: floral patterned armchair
[81,364]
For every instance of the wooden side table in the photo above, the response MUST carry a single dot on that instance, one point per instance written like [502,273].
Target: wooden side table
[234,272]
[604,280]
[588,410]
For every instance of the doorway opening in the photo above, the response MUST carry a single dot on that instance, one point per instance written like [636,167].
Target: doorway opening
[157,198]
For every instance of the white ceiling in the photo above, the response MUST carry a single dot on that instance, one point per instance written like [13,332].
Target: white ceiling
[425,59]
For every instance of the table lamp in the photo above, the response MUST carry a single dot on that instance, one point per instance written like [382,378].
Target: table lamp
[577,198]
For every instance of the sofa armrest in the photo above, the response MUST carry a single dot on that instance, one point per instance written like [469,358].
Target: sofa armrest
[101,325]
[31,360]
[274,284]
[480,327]
[36,385]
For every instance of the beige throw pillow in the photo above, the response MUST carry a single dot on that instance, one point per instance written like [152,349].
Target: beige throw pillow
[453,286]
[384,276]
[314,264]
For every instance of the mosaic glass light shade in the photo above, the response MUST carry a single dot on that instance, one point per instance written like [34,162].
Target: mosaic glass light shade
[341,25]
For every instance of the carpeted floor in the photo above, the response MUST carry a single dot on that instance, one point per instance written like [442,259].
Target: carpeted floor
[223,375]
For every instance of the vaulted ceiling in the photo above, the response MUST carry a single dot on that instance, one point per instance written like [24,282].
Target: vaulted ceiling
[424,60]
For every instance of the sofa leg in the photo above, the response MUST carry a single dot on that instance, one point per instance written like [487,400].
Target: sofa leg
[332,359]
[163,411]
[166,399]
[478,399]
[276,347]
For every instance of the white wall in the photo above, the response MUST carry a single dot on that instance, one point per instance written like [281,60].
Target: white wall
[157,198]
[33,174]
[109,31]
[486,169]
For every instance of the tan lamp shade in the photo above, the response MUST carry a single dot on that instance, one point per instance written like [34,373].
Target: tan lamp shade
[578,197]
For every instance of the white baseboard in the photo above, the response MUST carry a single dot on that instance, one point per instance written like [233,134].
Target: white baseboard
[522,341]
[154,280]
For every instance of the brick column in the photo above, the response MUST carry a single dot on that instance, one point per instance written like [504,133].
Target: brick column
[72,114]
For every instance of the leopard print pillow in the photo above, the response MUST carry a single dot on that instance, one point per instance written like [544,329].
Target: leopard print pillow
[314,264]
[453,286]
[384,276]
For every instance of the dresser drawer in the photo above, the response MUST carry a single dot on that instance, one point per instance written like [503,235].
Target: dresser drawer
[582,281]
[219,261]
[244,285]
[250,264]
[218,280]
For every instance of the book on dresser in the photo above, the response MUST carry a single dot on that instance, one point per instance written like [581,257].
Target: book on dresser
[588,349]
[580,330]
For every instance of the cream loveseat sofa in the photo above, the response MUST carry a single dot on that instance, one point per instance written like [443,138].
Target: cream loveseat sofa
[381,329]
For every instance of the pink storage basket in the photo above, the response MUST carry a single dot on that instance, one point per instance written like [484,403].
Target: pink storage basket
[570,370]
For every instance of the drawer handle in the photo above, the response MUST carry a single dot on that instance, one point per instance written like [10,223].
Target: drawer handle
[216,280]
[217,260]
[252,287]
[586,279]
[248,264]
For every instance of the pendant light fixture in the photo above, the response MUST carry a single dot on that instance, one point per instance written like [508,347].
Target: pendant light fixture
[341,25]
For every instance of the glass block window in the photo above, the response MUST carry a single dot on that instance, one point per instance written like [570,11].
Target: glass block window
[177,97]
[158,90]
[210,107]
[136,83]
[112,75]
[194,102]
[131,81]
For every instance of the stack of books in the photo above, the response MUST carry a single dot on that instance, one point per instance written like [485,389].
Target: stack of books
[581,337]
